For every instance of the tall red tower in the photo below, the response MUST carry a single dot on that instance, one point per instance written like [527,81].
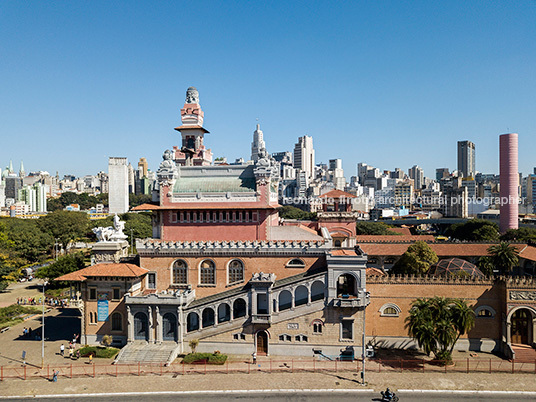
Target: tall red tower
[509,182]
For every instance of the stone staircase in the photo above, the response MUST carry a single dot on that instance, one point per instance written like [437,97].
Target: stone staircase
[142,352]
[524,353]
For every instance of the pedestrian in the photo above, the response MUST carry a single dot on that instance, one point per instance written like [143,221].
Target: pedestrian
[71,351]
[24,332]
[78,354]
[55,375]
[90,358]
[254,356]
[62,349]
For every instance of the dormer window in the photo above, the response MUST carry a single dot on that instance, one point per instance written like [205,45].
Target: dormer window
[295,263]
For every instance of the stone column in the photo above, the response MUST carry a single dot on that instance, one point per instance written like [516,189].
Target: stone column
[292,298]
[253,302]
[180,336]
[151,326]
[509,333]
[159,326]
[130,325]
[309,291]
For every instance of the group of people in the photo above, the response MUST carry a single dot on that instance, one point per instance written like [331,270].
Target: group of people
[27,333]
[29,300]
[73,352]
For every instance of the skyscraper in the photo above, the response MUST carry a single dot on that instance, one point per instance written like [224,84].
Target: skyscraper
[466,158]
[304,155]
[417,174]
[118,185]
[257,144]
[509,182]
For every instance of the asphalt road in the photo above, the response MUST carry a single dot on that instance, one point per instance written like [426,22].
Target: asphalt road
[280,396]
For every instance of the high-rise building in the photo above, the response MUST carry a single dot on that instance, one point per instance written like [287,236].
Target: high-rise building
[417,174]
[531,191]
[257,144]
[509,182]
[304,156]
[143,168]
[117,185]
[441,173]
[466,158]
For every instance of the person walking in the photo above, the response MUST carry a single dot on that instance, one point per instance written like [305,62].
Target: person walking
[90,358]
[62,350]
[71,352]
[55,375]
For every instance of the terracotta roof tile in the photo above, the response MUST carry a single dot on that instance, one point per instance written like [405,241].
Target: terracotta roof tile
[528,253]
[443,250]
[393,238]
[122,270]
[342,252]
[337,194]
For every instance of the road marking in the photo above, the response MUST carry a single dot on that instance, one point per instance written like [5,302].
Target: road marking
[462,392]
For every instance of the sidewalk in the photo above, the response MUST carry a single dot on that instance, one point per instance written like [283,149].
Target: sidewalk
[261,380]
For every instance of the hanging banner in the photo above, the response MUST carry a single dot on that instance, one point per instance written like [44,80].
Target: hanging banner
[102,307]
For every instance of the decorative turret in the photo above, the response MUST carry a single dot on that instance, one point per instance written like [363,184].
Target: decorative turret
[257,144]
[192,151]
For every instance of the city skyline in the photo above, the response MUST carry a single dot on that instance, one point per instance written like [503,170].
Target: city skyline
[408,77]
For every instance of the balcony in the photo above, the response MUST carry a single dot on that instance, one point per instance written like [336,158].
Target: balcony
[351,301]
[261,319]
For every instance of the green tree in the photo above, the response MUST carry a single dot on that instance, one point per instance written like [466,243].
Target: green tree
[64,265]
[474,230]
[28,240]
[373,228]
[505,257]
[486,265]
[85,201]
[437,324]
[416,260]
[67,226]
[290,212]
[137,199]
[521,234]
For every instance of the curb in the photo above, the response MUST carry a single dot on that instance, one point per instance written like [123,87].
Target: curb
[185,393]
[466,392]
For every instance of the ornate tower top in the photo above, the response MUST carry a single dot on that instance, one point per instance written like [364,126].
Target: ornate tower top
[192,95]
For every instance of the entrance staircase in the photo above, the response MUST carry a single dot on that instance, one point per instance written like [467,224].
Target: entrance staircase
[163,353]
[524,353]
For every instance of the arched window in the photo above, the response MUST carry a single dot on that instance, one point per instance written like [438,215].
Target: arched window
[317,326]
[296,263]
[180,272]
[239,308]
[390,310]
[192,322]
[317,291]
[224,313]
[208,317]
[285,300]
[485,312]
[208,273]
[236,271]
[337,243]
[117,322]
[301,295]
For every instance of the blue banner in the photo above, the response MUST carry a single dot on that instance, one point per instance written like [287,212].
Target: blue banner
[102,310]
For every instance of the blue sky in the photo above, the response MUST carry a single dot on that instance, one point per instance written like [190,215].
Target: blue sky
[389,83]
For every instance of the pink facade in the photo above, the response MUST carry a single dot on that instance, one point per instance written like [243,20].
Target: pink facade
[509,182]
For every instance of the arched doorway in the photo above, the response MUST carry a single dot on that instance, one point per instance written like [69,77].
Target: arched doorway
[169,327]
[521,320]
[141,324]
[262,343]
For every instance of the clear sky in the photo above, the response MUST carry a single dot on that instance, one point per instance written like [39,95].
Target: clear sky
[388,83]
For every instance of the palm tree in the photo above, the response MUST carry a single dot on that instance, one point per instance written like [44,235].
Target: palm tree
[437,324]
[463,318]
[505,257]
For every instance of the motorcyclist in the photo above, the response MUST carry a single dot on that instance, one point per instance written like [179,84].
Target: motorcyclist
[388,395]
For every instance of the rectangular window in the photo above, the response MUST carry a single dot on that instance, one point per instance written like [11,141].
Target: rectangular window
[182,217]
[347,329]
[151,280]
[116,293]
[92,293]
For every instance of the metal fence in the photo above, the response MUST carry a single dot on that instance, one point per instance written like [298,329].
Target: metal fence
[91,370]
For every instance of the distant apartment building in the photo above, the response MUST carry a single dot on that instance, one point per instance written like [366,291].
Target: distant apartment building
[417,174]
[466,158]
[118,185]
[304,155]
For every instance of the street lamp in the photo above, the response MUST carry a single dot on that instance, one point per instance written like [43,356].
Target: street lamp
[43,328]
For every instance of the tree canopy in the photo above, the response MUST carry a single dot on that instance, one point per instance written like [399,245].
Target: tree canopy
[416,260]
[437,324]
[373,228]
[85,201]
[290,212]
[474,230]
[504,256]
[63,265]
[66,226]
[137,199]
[521,234]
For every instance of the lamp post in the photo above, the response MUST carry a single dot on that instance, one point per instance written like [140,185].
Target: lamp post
[43,327]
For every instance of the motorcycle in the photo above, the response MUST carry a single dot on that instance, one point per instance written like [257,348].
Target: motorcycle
[388,396]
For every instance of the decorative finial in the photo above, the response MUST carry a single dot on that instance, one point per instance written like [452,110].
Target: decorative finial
[192,95]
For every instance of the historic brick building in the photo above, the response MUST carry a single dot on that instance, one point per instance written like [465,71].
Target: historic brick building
[221,267]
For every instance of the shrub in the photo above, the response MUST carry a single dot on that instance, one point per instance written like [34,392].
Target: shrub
[107,340]
[98,351]
[210,358]
[193,344]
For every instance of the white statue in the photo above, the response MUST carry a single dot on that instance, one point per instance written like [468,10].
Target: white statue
[109,233]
